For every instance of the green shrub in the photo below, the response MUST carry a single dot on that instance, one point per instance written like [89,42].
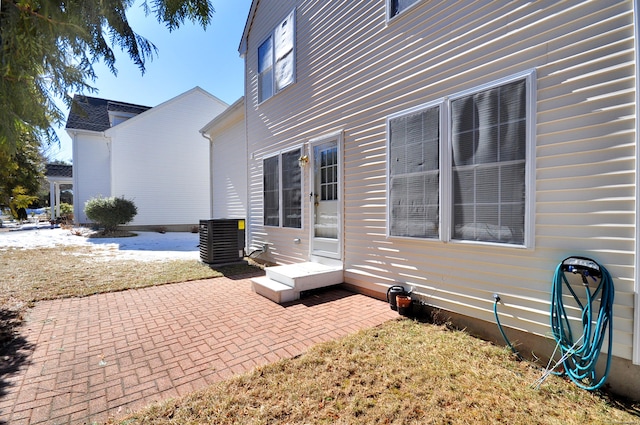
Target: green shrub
[110,212]
[66,209]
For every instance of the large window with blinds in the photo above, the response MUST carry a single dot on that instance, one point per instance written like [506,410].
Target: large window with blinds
[282,190]
[414,173]
[477,191]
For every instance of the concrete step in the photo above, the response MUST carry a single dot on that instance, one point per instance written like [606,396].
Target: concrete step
[306,276]
[273,290]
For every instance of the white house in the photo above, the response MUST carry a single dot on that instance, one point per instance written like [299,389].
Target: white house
[458,148]
[155,157]
[228,159]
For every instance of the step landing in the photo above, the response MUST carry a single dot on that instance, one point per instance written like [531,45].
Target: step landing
[285,283]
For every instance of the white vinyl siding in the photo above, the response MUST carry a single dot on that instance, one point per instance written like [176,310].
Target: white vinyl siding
[91,170]
[160,161]
[229,167]
[354,70]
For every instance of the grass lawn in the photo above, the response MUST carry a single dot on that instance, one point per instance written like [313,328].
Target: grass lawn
[402,372]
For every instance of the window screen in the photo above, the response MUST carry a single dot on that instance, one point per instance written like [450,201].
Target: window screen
[291,190]
[271,181]
[283,36]
[276,59]
[414,174]
[265,70]
[488,164]
[282,179]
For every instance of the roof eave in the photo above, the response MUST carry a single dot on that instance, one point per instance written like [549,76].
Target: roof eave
[242,48]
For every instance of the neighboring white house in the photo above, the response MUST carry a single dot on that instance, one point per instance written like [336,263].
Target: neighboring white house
[58,176]
[153,156]
[460,148]
[228,159]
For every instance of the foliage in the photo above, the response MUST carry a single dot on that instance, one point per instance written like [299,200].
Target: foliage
[24,167]
[66,209]
[20,200]
[48,50]
[110,212]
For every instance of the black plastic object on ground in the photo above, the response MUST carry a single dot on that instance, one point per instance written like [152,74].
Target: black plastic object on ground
[391,295]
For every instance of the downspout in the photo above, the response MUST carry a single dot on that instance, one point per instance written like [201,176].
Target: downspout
[636,321]
[76,185]
[210,172]
[109,143]
[248,221]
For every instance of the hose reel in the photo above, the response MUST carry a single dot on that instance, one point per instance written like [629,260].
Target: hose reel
[579,357]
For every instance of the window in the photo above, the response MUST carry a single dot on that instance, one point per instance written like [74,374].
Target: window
[396,7]
[276,59]
[488,142]
[484,179]
[282,179]
[328,170]
[271,187]
[414,173]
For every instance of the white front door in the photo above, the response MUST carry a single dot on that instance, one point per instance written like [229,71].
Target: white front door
[326,197]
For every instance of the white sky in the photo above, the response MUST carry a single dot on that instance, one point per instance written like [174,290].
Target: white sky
[187,57]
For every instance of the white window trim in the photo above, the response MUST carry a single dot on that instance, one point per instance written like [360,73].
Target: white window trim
[279,154]
[273,59]
[403,13]
[529,217]
[446,173]
[441,120]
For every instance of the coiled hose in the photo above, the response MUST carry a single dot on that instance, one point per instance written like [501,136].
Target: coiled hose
[579,357]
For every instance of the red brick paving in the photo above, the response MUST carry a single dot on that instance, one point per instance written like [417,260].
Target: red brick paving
[88,359]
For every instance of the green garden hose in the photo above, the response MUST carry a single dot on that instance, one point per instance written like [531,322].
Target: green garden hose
[579,357]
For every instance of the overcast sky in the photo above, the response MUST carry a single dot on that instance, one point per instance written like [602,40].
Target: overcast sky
[186,58]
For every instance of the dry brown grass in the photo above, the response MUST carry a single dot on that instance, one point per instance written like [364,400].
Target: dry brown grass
[34,275]
[403,372]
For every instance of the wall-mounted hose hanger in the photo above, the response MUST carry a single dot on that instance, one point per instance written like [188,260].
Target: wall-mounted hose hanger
[591,291]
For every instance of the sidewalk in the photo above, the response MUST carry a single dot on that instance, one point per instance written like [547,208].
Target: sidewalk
[83,360]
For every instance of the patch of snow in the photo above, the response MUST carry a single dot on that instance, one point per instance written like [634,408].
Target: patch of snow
[146,246]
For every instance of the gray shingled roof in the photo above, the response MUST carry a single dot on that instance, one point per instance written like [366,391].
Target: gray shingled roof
[59,170]
[92,113]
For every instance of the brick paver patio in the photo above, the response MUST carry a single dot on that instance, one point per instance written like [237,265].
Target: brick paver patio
[84,360]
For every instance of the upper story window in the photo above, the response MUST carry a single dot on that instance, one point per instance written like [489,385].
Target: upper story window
[395,7]
[116,118]
[276,59]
